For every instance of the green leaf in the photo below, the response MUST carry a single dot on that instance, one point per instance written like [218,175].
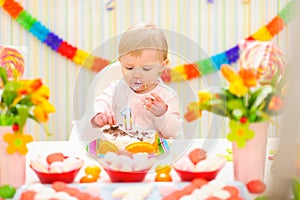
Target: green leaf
[267,117]
[3,75]
[261,96]
[6,120]
[282,81]
[262,198]
[10,93]
[229,96]
[296,188]
[275,78]
[235,104]
[23,113]
[215,106]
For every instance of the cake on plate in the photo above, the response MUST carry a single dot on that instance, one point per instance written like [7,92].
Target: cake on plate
[136,140]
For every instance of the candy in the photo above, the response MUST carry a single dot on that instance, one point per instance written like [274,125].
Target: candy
[256,186]
[39,166]
[7,191]
[264,58]
[35,187]
[234,192]
[222,194]
[55,157]
[88,179]
[110,157]
[71,163]
[93,170]
[217,184]
[126,167]
[12,61]
[57,167]
[163,177]
[163,169]
[197,155]
[61,196]
[184,164]
[27,195]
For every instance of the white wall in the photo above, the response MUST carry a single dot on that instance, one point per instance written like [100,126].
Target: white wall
[86,24]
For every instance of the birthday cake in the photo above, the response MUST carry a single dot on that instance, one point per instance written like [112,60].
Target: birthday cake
[121,138]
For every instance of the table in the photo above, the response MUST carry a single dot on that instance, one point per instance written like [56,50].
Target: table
[77,149]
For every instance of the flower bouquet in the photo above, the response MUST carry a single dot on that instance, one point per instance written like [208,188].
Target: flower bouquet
[253,95]
[20,100]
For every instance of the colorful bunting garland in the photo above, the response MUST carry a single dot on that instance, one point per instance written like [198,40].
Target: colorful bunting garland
[209,65]
[179,73]
[42,33]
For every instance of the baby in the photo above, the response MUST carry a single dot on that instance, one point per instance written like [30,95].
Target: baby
[143,53]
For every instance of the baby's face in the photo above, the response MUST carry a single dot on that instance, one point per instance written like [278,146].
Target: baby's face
[141,72]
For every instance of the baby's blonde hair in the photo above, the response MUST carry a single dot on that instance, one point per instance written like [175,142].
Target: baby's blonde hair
[143,36]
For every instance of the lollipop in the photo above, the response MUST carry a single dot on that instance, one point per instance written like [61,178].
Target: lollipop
[265,58]
[12,61]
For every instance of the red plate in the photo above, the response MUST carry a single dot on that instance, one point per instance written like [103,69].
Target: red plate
[189,175]
[121,176]
[67,177]
[210,174]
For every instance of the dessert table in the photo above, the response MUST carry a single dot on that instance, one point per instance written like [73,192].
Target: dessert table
[77,149]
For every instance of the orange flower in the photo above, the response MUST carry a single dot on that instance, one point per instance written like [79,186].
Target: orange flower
[229,73]
[30,86]
[237,85]
[193,112]
[193,107]
[275,104]
[248,76]
[17,142]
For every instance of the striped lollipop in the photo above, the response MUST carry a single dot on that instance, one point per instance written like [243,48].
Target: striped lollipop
[265,58]
[12,61]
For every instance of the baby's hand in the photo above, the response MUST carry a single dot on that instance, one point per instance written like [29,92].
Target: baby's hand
[155,105]
[102,119]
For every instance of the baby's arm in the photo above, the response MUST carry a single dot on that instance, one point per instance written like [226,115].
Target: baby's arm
[169,122]
[103,108]
[102,119]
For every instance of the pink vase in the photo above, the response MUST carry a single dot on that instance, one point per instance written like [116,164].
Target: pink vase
[12,167]
[249,161]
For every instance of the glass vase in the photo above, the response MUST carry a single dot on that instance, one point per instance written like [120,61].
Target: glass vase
[249,161]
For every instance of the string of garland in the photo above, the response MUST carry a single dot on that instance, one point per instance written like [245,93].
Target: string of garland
[179,73]
[212,64]
[78,56]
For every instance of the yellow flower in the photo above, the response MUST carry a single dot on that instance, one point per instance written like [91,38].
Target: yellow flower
[40,95]
[17,143]
[204,96]
[238,88]
[237,85]
[41,111]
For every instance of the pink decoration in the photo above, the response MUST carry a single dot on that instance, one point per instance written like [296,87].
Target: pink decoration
[12,61]
[12,167]
[264,58]
[249,161]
